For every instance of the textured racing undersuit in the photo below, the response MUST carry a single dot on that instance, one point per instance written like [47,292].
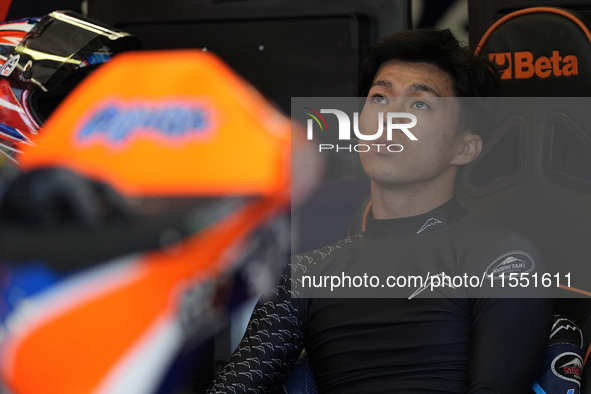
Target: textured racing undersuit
[455,339]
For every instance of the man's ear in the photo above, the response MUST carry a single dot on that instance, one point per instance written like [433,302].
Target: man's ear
[469,149]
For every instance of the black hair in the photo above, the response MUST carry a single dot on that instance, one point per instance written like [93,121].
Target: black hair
[471,75]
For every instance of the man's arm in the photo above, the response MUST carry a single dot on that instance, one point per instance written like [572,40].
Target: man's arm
[271,345]
[509,338]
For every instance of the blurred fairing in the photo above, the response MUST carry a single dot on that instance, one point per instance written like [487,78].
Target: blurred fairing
[203,163]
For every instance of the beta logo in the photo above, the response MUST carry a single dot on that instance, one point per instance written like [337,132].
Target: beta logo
[115,123]
[523,65]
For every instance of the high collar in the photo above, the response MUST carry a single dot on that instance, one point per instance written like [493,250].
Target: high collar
[437,219]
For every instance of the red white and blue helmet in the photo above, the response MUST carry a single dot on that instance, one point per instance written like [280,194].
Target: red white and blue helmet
[42,60]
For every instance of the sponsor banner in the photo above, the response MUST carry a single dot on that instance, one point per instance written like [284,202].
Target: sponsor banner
[523,65]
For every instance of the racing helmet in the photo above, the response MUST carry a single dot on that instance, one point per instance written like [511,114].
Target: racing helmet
[42,60]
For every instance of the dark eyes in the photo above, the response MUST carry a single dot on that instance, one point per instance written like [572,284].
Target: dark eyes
[417,104]
[420,105]
[379,99]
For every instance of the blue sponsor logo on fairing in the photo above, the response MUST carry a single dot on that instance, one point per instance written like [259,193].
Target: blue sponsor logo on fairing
[116,124]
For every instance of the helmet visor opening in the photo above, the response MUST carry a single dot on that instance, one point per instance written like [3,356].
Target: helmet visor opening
[44,103]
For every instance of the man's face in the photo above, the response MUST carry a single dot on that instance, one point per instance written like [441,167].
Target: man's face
[427,92]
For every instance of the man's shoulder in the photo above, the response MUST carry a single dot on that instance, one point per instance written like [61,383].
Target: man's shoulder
[479,229]
[497,245]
